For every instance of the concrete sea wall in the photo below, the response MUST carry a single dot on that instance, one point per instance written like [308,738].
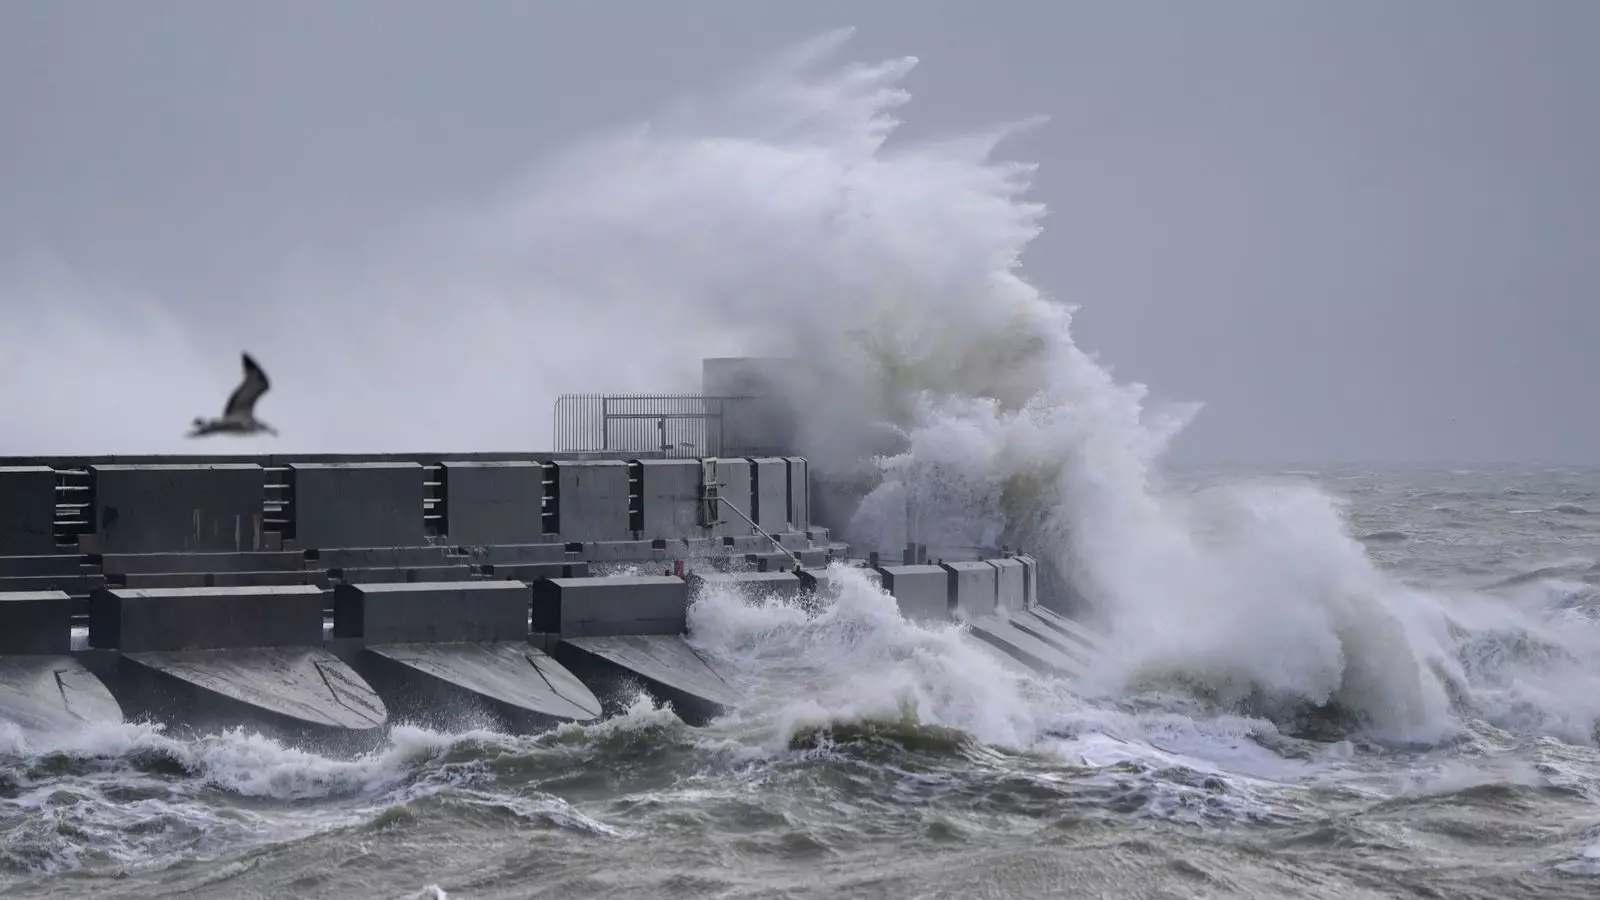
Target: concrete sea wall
[332,596]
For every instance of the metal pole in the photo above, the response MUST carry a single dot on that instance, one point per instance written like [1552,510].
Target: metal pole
[792,558]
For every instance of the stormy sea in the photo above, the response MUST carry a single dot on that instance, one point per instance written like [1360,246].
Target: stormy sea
[1315,682]
[881,759]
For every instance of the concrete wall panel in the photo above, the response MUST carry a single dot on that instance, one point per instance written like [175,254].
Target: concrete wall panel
[921,592]
[592,500]
[1030,583]
[671,492]
[1011,582]
[250,561]
[37,623]
[494,502]
[769,488]
[973,587]
[358,504]
[205,618]
[603,607]
[178,508]
[440,612]
[27,510]
[733,485]
[799,493]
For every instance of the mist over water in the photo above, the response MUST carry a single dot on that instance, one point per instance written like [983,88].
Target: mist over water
[778,218]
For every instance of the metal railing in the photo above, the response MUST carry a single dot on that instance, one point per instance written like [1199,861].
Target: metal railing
[672,425]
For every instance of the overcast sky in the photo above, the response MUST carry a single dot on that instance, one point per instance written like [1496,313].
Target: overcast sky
[1354,230]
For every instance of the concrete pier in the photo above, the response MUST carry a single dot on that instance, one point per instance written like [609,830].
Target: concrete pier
[42,687]
[333,595]
[214,655]
[430,647]
[626,632]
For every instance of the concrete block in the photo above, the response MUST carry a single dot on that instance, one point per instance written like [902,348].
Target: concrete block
[55,564]
[358,504]
[255,561]
[214,579]
[745,544]
[750,586]
[616,551]
[799,493]
[972,587]
[769,493]
[604,607]
[494,502]
[775,561]
[136,620]
[592,500]
[178,508]
[733,485]
[1011,579]
[826,582]
[1030,584]
[496,554]
[37,623]
[399,575]
[812,559]
[670,494]
[383,557]
[431,613]
[921,592]
[531,572]
[27,510]
[80,585]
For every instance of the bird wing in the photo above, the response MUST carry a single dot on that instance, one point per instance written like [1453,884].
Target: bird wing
[244,397]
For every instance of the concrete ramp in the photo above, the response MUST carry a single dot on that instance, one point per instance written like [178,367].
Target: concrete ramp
[665,661]
[1052,619]
[511,673]
[303,685]
[1024,647]
[49,693]
[1048,635]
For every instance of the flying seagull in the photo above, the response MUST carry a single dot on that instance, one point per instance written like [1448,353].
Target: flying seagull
[239,416]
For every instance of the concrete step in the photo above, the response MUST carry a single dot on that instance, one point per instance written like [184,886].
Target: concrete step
[217,579]
[168,563]
[54,564]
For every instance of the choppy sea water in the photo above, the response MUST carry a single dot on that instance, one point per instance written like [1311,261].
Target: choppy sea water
[878,759]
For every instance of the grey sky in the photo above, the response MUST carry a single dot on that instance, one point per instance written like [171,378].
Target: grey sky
[1354,230]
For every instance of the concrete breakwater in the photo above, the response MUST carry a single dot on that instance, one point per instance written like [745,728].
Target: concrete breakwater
[332,597]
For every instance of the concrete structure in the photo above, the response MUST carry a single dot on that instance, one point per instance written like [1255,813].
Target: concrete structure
[429,648]
[614,631]
[735,485]
[1011,584]
[365,504]
[769,493]
[670,492]
[220,655]
[749,586]
[27,510]
[177,508]
[331,596]
[490,503]
[921,592]
[973,590]
[591,499]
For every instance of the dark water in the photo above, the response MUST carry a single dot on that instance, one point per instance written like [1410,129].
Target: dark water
[881,760]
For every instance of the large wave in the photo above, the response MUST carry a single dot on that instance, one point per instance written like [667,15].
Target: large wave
[779,217]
